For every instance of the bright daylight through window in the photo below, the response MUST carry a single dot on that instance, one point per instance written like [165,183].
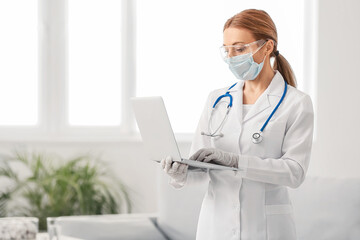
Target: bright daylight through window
[19,63]
[94,83]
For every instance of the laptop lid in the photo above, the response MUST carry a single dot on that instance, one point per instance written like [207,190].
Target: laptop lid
[155,128]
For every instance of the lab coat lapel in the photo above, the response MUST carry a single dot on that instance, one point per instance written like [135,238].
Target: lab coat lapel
[275,88]
[260,105]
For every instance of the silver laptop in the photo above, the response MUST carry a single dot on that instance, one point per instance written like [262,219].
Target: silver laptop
[157,134]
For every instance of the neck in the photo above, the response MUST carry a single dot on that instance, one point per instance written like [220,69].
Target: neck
[261,82]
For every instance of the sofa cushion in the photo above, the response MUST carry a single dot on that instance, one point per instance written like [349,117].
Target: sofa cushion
[327,208]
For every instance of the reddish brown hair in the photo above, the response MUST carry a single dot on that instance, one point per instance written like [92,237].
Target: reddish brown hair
[260,24]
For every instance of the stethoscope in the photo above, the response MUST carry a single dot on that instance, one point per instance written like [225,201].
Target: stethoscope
[257,136]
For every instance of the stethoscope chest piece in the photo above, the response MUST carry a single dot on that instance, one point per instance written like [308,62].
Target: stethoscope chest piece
[257,138]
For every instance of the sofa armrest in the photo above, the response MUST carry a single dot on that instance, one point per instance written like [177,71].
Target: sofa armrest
[109,227]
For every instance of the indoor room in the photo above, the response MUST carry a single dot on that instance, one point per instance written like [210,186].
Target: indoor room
[179,120]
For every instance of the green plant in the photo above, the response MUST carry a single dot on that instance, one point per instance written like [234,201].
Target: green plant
[54,187]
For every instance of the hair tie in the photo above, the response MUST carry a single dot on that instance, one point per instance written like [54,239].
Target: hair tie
[276,53]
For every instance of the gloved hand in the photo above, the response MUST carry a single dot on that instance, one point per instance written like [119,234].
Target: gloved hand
[177,171]
[217,156]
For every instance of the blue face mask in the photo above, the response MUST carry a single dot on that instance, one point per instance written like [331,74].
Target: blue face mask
[244,67]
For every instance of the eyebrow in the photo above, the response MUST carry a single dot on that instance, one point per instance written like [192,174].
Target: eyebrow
[234,43]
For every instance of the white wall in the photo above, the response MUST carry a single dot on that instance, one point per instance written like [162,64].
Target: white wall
[335,150]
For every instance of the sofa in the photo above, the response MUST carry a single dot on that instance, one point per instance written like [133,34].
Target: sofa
[324,208]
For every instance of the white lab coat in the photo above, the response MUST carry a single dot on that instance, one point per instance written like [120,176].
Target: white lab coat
[254,203]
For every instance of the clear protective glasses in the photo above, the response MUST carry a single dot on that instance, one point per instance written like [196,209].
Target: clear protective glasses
[241,49]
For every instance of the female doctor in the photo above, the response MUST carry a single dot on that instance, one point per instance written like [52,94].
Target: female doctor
[263,126]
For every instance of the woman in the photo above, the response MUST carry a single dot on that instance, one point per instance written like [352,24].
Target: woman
[252,203]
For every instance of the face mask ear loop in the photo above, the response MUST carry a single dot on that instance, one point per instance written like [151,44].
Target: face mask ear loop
[259,49]
[264,58]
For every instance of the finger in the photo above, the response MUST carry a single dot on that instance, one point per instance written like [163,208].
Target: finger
[182,168]
[162,163]
[168,163]
[196,155]
[210,158]
[203,155]
[185,168]
[174,168]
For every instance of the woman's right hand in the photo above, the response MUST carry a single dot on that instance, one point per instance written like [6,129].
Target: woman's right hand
[176,170]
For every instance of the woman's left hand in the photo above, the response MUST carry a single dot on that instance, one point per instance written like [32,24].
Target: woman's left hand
[217,156]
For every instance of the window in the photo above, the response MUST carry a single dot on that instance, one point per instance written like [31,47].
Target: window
[94,84]
[19,63]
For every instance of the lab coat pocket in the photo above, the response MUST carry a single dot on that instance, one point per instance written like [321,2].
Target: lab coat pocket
[280,222]
[275,128]
[275,133]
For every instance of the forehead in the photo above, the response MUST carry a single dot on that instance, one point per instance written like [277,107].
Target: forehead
[233,36]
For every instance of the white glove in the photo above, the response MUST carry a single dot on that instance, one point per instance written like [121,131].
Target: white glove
[177,171]
[217,156]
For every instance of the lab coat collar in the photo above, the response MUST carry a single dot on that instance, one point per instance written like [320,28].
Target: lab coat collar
[266,99]
[276,86]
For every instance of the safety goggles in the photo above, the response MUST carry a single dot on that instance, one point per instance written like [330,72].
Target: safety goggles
[241,49]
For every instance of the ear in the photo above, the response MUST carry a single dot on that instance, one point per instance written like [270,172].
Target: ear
[269,47]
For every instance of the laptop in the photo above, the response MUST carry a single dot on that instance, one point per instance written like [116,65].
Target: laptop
[158,136]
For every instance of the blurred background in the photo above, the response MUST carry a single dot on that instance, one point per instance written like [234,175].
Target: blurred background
[69,67]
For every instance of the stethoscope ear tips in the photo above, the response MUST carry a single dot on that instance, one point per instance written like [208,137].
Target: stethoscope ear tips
[257,138]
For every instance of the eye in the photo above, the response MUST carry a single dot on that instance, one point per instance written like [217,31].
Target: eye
[240,49]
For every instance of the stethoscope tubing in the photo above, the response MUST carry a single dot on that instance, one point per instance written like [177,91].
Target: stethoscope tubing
[227,94]
[277,106]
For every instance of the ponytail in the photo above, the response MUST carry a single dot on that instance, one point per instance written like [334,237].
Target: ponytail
[283,66]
